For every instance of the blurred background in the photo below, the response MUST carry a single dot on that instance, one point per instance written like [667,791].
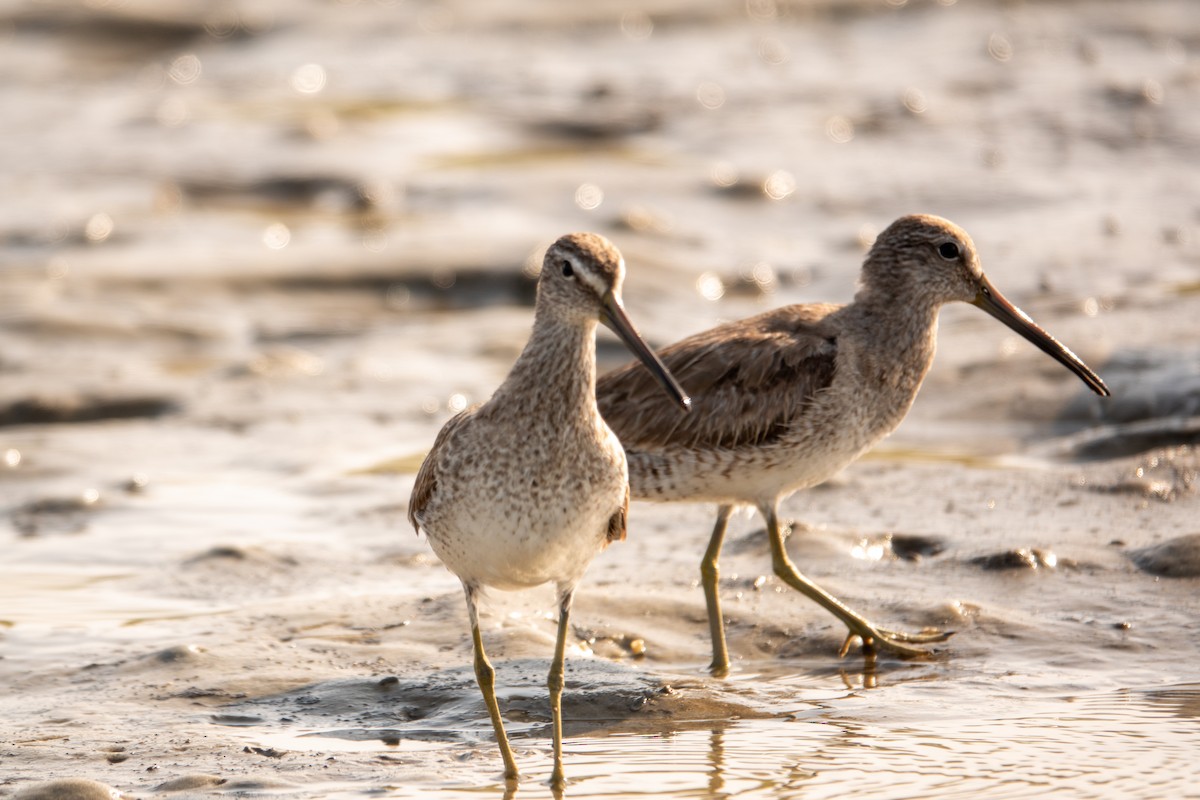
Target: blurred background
[336,197]
[253,253]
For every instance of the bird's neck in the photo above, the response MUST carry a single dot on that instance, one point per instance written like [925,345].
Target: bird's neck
[556,372]
[903,331]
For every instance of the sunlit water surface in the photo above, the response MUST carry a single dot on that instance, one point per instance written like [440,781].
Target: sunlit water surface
[1133,744]
[252,258]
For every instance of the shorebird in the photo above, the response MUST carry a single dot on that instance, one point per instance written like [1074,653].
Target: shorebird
[787,398]
[528,487]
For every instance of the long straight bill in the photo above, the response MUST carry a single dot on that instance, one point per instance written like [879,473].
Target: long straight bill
[614,317]
[995,304]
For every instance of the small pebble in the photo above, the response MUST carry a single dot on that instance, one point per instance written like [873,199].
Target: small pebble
[915,546]
[1022,558]
[1174,558]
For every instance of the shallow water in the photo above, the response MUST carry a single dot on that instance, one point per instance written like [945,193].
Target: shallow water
[821,758]
[252,257]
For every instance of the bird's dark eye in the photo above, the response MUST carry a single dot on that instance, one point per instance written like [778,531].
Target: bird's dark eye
[948,251]
[567,269]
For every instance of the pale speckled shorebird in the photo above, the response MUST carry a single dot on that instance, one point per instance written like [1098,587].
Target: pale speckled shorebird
[528,487]
[786,399]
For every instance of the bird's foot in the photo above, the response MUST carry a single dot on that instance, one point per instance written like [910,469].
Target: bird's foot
[898,642]
[718,668]
[558,782]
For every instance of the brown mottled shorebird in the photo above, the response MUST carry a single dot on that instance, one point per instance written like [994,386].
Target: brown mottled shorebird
[786,399]
[528,487]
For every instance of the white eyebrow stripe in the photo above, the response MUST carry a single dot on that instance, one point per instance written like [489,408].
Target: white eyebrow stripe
[593,280]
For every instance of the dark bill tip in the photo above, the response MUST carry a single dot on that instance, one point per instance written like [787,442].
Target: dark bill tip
[995,304]
[614,317]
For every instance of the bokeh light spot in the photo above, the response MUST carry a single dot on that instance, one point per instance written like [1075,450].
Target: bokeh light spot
[710,286]
[914,100]
[185,69]
[999,47]
[711,95]
[839,129]
[589,196]
[779,185]
[773,51]
[1152,90]
[398,297]
[98,228]
[57,268]
[724,174]
[220,26]
[866,236]
[761,275]
[867,550]
[762,9]
[637,25]
[309,79]
[277,236]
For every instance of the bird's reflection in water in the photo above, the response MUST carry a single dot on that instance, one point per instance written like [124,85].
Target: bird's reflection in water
[725,757]
[716,762]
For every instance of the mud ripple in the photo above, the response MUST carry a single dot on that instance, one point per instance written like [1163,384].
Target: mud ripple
[446,705]
[84,408]
[71,789]
[55,514]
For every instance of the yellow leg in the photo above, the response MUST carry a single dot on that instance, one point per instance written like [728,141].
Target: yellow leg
[485,676]
[710,574]
[555,683]
[871,635]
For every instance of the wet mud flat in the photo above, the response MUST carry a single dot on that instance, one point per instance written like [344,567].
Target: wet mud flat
[251,260]
[311,664]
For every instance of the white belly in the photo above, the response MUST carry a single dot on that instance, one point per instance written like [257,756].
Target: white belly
[527,515]
[513,545]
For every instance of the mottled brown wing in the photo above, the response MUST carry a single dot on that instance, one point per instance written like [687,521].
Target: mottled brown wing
[748,380]
[427,476]
[617,522]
